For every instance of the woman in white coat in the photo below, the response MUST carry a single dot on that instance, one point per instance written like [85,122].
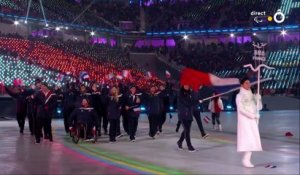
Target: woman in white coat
[248,138]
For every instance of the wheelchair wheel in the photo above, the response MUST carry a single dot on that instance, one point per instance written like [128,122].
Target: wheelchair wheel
[95,136]
[76,136]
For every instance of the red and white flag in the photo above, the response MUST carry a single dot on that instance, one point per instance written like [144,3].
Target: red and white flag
[195,79]
[119,77]
[206,119]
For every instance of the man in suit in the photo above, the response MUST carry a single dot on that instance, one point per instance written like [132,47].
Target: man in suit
[132,106]
[154,110]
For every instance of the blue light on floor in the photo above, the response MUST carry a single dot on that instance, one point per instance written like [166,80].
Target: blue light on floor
[143,108]
[229,107]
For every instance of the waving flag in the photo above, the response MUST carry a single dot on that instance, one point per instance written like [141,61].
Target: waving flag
[168,74]
[195,79]
[60,77]
[83,75]
[18,82]
[119,77]
[110,76]
[126,73]
[149,74]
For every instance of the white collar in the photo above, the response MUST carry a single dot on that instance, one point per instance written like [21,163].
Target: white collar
[245,91]
[82,108]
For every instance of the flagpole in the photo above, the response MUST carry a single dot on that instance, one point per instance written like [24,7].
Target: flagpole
[258,90]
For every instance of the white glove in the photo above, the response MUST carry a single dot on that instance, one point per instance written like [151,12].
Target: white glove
[257,116]
[258,96]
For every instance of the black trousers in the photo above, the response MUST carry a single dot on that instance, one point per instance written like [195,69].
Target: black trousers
[197,117]
[153,124]
[113,129]
[47,127]
[162,120]
[215,117]
[67,113]
[133,124]
[118,127]
[38,128]
[31,123]
[125,122]
[21,120]
[99,121]
[105,122]
[186,133]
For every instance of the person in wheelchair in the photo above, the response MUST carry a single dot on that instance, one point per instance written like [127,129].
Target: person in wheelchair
[84,116]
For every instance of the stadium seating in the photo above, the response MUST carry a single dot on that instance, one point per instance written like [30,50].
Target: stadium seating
[12,68]
[54,59]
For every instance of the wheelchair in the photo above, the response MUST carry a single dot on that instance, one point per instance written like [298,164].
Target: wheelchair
[80,132]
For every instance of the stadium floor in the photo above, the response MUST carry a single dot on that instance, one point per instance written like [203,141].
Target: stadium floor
[215,155]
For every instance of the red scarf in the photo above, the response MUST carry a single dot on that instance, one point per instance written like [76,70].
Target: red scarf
[216,105]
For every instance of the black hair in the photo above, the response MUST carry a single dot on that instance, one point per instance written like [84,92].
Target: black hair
[242,81]
[184,91]
[86,100]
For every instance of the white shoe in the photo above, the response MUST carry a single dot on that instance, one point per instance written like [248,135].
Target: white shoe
[220,128]
[119,136]
[247,164]
[215,127]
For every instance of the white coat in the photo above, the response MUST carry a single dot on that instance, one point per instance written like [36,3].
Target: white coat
[248,138]
[211,105]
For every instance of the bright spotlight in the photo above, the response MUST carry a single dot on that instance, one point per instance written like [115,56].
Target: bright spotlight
[254,34]
[16,22]
[25,22]
[283,32]
[57,28]
[92,33]
[67,28]
[185,37]
[47,25]
[231,35]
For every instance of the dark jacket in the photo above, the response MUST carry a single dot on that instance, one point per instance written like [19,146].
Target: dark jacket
[45,104]
[133,105]
[196,98]
[69,99]
[165,101]
[154,104]
[83,115]
[97,101]
[114,108]
[30,106]
[185,105]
